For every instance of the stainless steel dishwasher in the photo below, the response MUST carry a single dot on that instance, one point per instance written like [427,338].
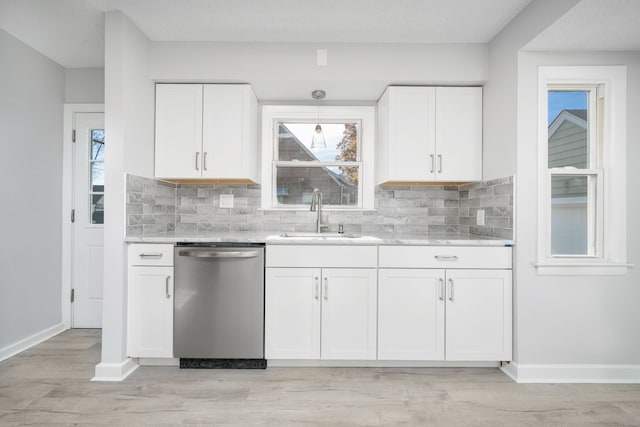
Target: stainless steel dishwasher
[219,305]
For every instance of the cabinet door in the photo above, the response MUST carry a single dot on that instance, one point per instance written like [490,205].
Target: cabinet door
[229,132]
[459,134]
[150,312]
[411,314]
[292,313]
[178,131]
[349,313]
[411,133]
[478,315]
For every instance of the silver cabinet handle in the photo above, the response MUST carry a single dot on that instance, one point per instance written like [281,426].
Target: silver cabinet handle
[204,161]
[433,163]
[151,255]
[441,289]
[446,257]
[197,160]
[440,163]
[450,289]
[317,288]
[166,287]
[326,289]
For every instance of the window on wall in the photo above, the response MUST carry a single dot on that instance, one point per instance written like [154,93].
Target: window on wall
[306,148]
[582,177]
[574,157]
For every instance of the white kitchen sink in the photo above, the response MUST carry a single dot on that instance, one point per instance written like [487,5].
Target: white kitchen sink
[321,235]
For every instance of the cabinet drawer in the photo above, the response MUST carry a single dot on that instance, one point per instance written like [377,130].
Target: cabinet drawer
[322,256]
[151,254]
[445,257]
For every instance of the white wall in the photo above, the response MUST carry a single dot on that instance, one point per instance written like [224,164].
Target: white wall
[129,119]
[560,323]
[84,85]
[289,71]
[31,110]
[574,320]
[500,92]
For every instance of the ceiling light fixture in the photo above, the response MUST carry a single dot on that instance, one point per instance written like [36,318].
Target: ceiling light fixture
[318,140]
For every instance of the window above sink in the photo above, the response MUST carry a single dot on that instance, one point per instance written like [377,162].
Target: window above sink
[328,148]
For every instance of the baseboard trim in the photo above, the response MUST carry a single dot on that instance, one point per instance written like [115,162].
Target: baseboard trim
[115,371]
[27,343]
[159,361]
[596,374]
[377,363]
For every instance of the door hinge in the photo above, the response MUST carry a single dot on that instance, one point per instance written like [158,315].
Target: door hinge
[73,295]
[73,215]
[73,135]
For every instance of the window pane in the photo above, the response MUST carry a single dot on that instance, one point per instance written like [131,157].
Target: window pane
[97,176]
[334,142]
[97,208]
[97,144]
[570,215]
[568,129]
[295,185]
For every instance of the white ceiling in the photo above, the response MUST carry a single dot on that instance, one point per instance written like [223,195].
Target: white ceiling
[71,32]
[596,25]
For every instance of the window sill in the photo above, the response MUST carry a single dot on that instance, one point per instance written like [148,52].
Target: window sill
[565,268]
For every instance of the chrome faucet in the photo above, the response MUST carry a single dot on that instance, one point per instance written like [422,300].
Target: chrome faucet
[316,206]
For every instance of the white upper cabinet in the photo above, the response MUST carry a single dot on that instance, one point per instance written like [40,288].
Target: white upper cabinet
[178,131]
[206,132]
[430,134]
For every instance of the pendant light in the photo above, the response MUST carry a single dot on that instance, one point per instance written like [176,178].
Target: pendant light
[318,140]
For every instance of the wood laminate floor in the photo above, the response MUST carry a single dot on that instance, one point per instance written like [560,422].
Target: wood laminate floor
[49,385]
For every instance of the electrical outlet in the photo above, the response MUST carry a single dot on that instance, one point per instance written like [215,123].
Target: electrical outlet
[480,217]
[226,200]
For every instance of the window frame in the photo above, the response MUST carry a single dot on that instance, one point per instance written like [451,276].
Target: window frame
[610,254]
[274,114]
[595,202]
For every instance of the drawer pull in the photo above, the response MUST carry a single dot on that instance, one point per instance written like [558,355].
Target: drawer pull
[152,255]
[446,257]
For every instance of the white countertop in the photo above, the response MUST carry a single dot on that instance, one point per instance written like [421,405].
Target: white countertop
[275,238]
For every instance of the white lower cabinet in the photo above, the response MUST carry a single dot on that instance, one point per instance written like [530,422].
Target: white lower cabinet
[320,313]
[410,314]
[455,313]
[431,314]
[478,315]
[150,303]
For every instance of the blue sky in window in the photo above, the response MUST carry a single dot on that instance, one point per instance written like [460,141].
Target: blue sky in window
[559,101]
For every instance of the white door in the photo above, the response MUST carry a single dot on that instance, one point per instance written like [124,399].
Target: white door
[349,313]
[150,312]
[412,133]
[292,313]
[411,314]
[478,315]
[178,131]
[458,134]
[88,235]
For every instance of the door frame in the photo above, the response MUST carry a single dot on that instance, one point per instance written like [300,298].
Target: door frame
[67,203]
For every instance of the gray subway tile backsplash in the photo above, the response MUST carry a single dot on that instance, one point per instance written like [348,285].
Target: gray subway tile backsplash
[155,206]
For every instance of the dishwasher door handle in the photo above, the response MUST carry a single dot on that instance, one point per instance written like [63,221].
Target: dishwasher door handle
[219,254]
